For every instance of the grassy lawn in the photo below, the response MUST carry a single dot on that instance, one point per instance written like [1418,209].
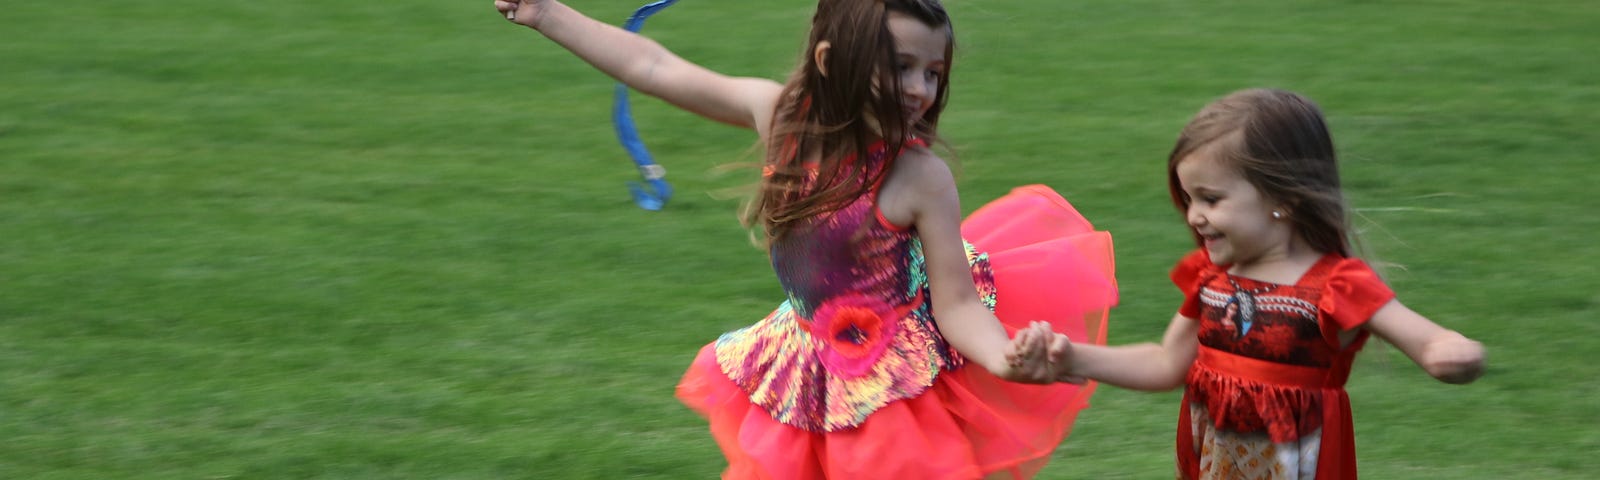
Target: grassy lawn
[306,239]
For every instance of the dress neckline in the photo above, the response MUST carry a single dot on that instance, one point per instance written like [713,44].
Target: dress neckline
[1317,270]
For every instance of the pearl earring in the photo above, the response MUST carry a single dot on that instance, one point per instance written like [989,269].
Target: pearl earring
[1277,214]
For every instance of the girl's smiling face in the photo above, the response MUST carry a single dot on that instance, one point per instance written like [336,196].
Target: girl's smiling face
[1236,221]
[920,62]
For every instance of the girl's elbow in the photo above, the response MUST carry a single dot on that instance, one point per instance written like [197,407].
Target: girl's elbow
[1151,386]
[1160,381]
[1454,359]
[1168,383]
[1457,373]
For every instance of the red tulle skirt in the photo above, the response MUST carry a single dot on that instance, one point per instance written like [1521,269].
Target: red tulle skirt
[1049,264]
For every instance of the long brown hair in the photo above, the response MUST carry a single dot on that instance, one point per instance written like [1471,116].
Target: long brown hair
[1280,142]
[841,114]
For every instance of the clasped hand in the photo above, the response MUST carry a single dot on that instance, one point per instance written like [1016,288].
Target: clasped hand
[1038,354]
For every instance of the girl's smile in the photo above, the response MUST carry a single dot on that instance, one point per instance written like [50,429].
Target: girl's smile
[1233,218]
[920,62]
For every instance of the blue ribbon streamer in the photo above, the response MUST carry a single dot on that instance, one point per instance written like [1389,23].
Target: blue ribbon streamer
[653,192]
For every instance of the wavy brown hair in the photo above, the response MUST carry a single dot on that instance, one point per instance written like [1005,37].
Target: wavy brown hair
[1280,142]
[840,115]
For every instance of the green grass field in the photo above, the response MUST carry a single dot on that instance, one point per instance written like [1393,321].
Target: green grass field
[344,240]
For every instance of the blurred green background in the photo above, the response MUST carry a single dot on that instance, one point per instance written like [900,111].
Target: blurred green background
[379,240]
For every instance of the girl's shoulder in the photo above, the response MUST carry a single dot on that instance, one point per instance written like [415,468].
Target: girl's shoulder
[923,164]
[1339,269]
[1194,264]
[1351,291]
[919,179]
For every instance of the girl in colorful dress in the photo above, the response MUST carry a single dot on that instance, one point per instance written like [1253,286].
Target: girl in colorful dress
[1275,306]
[892,356]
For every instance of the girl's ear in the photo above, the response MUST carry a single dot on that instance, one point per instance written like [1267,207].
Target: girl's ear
[1286,207]
[819,55]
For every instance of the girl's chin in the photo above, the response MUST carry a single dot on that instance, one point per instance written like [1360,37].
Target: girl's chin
[1218,255]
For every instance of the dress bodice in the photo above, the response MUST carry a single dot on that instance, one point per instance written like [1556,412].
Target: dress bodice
[850,250]
[1270,353]
[856,331]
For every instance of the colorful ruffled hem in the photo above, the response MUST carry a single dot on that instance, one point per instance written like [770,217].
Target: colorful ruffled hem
[1049,264]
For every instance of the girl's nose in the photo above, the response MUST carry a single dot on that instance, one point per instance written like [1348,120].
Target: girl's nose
[914,86]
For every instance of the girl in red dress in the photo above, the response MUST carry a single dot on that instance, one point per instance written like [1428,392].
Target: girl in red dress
[1275,307]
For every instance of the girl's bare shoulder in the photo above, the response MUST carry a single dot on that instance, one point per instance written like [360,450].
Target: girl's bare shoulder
[919,181]
[924,169]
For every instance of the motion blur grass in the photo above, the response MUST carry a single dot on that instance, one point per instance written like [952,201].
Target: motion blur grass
[353,240]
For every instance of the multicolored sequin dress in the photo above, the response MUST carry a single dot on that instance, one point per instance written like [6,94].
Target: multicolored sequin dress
[849,378]
[1265,398]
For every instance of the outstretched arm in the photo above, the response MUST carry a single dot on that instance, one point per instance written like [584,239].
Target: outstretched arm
[1443,353]
[646,66]
[1144,366]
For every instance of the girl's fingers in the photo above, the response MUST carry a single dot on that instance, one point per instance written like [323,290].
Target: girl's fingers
[1059,347]
[1012,358]
[1025,338]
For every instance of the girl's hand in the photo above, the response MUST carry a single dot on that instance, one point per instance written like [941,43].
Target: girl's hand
[1036,355]
[1060,355]
[1453,359]
[1025,357]
[522,12]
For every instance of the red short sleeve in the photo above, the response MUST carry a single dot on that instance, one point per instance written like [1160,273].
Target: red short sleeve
[1187,276]
[1352,294]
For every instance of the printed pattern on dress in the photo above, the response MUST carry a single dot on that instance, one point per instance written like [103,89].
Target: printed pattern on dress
[857,330]
[832,371]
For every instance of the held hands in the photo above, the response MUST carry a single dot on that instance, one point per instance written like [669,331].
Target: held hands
[1038,355]
[522,12]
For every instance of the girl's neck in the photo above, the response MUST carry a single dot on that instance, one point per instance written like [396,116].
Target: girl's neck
[1283,266]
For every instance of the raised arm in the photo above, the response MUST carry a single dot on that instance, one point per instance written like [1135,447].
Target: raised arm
[1443,353]
[646,66]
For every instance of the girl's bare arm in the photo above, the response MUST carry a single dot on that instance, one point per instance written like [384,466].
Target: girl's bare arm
[646,66]
[1144,366]
[1443,353]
